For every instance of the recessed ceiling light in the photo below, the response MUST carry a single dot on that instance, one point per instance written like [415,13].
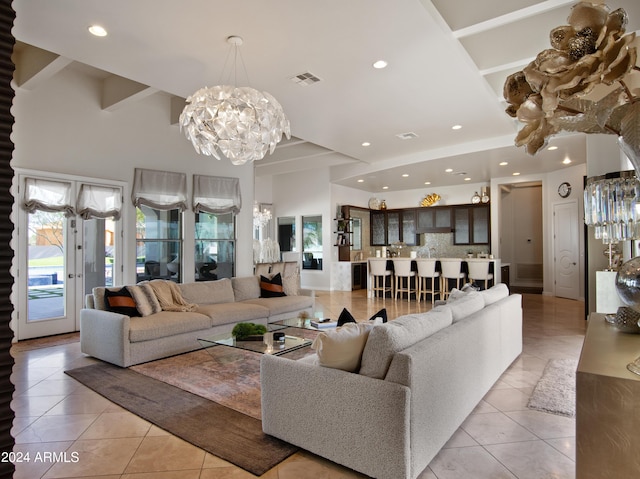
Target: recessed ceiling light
[385,187]
[456,127]
[504,163]
[380,64]
[467,179]
[427,182]
[405,175]
[551,148]
[360,181]
[566,161]
[448,170]
[516,174]
[366,143]
[97,30]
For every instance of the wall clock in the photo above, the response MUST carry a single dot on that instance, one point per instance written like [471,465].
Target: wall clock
[564,189]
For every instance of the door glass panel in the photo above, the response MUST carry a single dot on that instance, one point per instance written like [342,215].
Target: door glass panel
[46,265]
[98,253]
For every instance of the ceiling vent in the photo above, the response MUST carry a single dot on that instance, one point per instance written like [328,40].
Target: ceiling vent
[305,79]
[407,136]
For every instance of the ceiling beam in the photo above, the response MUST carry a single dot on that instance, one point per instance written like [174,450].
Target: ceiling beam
[36,66]
[118,91]
[177,105]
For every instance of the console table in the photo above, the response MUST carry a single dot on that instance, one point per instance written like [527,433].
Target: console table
[608,404]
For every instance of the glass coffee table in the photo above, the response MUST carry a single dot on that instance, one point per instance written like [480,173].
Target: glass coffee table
[262,346]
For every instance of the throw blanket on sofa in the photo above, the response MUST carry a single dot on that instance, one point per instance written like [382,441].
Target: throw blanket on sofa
[170,297]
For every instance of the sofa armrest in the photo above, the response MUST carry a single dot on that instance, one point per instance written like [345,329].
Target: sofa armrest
[105,335]
[356,421]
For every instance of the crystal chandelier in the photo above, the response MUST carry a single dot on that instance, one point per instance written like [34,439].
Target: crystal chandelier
[260,218]
[239,123]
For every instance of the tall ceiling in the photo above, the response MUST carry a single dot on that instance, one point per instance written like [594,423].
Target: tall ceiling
[447,62]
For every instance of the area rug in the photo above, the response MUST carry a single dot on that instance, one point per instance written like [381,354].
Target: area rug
[555,392]
[228,376]
[222,431]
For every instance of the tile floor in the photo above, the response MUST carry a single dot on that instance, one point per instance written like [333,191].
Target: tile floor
[500,439]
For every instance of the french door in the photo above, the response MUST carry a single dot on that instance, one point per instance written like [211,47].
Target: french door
[61,258]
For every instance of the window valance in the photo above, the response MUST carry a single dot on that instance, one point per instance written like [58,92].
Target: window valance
[48,195]
[216,194]
[99,202]
[161,190]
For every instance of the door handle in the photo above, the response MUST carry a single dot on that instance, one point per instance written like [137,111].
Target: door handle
[70,276]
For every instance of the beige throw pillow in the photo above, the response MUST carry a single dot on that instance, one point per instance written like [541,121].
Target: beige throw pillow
[342,347]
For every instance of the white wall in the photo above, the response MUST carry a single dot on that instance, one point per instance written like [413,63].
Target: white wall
[521,235]
[60,127]
[550,182]
[308,193]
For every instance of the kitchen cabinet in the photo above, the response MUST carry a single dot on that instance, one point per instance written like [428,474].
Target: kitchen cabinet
[393,226]
[471,225]
[409,236]
[434,219]
[378,228]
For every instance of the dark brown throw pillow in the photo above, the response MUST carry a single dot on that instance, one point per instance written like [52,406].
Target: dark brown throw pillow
[121,302]
[271,288]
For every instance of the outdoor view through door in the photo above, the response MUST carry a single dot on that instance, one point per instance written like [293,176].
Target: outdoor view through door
[70,247]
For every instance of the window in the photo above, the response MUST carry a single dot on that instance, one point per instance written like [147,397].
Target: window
[160,198]
[312,242]
[215,246]
[158,243]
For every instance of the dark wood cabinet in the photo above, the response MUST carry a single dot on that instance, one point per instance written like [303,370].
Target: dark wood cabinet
[471,225]
[434,219]
[409,236]
[378,228]
[393,226]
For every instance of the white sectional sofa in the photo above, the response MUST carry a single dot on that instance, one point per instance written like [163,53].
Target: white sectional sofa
[420,377]
[123,340]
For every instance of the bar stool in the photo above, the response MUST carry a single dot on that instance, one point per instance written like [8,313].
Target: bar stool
[427,271]
[451,269]
[403,274]
[378,272]
[479,271]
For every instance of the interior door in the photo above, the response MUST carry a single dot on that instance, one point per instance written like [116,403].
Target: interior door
[61,258]
[566,250]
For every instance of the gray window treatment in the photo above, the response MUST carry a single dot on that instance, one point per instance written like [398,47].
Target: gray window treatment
[48,195]
[161,190]
[99,202]
[216,194]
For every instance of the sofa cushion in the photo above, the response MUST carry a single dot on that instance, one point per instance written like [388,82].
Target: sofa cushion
[246,287]
[121,302]
[463,304]
[226,313]
[146,301]
[166,323]
[283,304]
[495,293]
[208,292]
[387,339]
[271,287]
[341,348]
